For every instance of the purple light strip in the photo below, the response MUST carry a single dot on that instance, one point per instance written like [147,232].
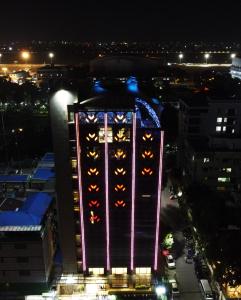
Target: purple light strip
[82,228]
[158,203]
[107,195]
[133,189]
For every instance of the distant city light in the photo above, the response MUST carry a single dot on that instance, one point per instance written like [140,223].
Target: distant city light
[180,55]
[206,56]
[51,56]
[25,55]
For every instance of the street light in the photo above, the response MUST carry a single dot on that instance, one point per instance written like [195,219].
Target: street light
[232,55]
[180,57]
[161,291]
[206,56]
[25,55]
[51,56]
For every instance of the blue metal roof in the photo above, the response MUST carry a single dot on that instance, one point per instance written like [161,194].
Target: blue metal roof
[14,178]
[43,174]
[48,157]
[31,213]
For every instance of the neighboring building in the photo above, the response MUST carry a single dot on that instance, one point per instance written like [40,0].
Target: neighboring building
[27,239]
[52,72]
[235,69]
[210,144]
[108,157]
[43,177]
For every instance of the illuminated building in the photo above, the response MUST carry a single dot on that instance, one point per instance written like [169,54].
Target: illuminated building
[108,152]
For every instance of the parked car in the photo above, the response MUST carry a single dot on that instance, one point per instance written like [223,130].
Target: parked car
[174,288]
[171,264]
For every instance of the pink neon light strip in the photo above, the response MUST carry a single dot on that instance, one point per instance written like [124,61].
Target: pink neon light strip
[158,204]
[133,189]
[82,228]
[107,195]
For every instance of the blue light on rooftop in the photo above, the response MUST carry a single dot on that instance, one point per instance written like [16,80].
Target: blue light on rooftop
[98,88]
[132,85]
[155,101]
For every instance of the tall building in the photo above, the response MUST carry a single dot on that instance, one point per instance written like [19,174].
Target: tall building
[108,151]
[209,134]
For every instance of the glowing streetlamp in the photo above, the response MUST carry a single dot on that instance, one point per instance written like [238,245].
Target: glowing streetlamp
[25,56]
[206,56]
[161,291]
[232,55]
[180,56]
[51,56]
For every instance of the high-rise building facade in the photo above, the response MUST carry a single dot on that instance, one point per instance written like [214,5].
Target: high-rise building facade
[109,151]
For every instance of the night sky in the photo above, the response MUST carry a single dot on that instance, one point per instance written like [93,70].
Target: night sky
[95,20]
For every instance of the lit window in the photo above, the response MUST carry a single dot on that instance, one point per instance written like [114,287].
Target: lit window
[225,120]
[223,179]
[233,130]
[119,270]
[96,271]
[224,128]
[228,170]
[219,120]
[102,135]
[143,270]
[218,128]
[193,158]
[74,163]
[206,159]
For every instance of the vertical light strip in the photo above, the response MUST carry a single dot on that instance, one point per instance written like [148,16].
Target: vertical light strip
[82,228]
[133,191]
[158,203]
[107,195]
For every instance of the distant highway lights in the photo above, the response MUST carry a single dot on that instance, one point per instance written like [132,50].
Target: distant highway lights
[180,56]
[206,56]
[51,56]
[25,56]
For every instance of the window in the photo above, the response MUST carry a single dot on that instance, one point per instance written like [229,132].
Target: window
[119,270]
[20,246]
[218,128]
[231,111]
[233,130]
[96,271]
[22,259]
[227,170]
[219,120]
[223,179]
[102,135]
[24,273]
[143,270]
[206,159]
[224,128]
[225,120]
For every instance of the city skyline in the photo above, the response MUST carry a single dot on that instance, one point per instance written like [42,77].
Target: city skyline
[120,20]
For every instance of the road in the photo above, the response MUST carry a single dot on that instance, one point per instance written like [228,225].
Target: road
[184,272]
